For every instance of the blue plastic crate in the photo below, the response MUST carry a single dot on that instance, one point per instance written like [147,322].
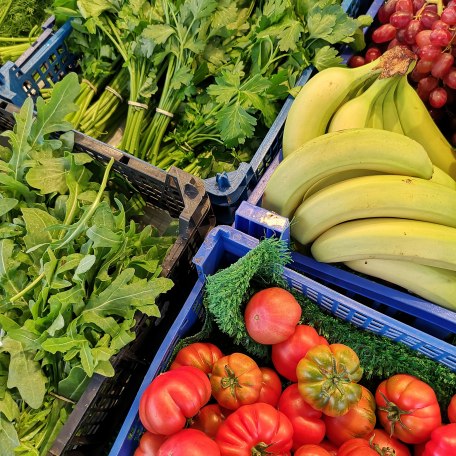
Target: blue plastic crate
[224,245]
[49,59]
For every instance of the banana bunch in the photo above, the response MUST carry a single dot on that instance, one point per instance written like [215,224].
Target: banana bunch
[368,179]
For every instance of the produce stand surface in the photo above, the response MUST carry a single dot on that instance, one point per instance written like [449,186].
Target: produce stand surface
[173,195]
[48,59]
[225,245]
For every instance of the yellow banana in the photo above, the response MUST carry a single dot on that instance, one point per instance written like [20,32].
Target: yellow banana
[317,101]
[374,196]
[391,120]
[363,148]
[434,284]
[356,112]
[390,239]
[442,178]
[418,124]
[375,119]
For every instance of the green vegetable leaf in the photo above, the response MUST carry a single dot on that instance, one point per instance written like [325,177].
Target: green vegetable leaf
[326,57]
[8,266]
[290,35]
[37,221]
[62,344]
[93,8]
[9,408]
[6,204]
[87,361]
[8,436]
[235,124]
[49,176]
[182,77]
[74,384]
[159,33]
[103,237]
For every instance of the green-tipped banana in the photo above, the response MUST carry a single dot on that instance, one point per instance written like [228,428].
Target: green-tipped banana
[442,178]
[389,239]
[375,119]
[374,196]
[356,112]
[363,148]
[391,120]
[317,101]
[418,124]
[434,284]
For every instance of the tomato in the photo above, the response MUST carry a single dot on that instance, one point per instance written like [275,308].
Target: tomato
[258,429]
[202,355]
[271,387]
[286,355]
[271,315]
[359,421]
[443,441]
[357,447]
[327,378]
[149,444]
[311,450]
[189,442]
[407,408]
[452,410]
[381,438]
[208,420]
[308,425]
[236,380]
[418,450]
[172,397]
[329,447]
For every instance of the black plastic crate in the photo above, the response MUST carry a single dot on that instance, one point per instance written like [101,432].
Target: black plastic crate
[98,415]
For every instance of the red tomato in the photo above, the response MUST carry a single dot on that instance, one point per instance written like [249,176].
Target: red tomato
[287,354]
[329,447]
[359,421]
[208,420]
[201,355]
[357,447]
[172,397]
[311,450]
[407,408]
[255,429]
[443,441]
[383,440]
[236,380]
[189,442]
[452,410]
[149,444]
[271,387]
[308,425]
[418,450]
[271,315]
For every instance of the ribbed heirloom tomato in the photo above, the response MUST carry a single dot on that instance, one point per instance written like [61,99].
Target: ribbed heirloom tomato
[443,441]
[360,447]
[359,421]
[311,450]
[201,355]
[407,408]
[271,387]
[271,315]
[172,398]
[208,420]
[256,429]
[236,380]
[189,442]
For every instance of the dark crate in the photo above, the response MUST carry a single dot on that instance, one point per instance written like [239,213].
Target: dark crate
[102,408]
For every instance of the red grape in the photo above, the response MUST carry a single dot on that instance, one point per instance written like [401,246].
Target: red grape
[450,78]
[430,7]
[372,53]
[423,38]
[449,15]
[438,97]
[440,25]
[390,7]
[412,30]
[440,37]
[384,33]
[356,61]
[400,19]
[417,76]
[428,18]
[442,65]
[400,35]
[429,52]
[393,42]
[428,83]
[418,4]
[405,5]
[424,66]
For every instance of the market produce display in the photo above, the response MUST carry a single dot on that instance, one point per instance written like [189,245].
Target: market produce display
[392,414]
[370,182]
[75,269]
[199,81]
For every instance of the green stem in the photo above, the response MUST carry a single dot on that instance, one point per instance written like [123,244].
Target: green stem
[29,287]
[5,11]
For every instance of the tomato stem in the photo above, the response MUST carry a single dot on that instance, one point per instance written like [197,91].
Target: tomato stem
[394,414]
[230,381]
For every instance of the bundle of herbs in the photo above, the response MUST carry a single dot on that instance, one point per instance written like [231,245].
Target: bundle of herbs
[20,22]
[75,268]
[206,77]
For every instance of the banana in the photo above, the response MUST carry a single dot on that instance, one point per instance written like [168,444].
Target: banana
[374,196]
[418,124]
[442,178]
[338,177]
[390,239]
[375,119]
[434,284]
[317,101]
[390,115]
[363,148]
[356,112]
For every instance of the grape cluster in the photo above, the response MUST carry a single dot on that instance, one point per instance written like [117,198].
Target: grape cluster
[428,28]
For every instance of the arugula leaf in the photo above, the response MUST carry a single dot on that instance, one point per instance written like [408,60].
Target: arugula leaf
[7,204]
[49,176]
[74,384]
[8,436]
[36,222]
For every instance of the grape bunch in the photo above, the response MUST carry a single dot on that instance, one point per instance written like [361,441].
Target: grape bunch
[428,28]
